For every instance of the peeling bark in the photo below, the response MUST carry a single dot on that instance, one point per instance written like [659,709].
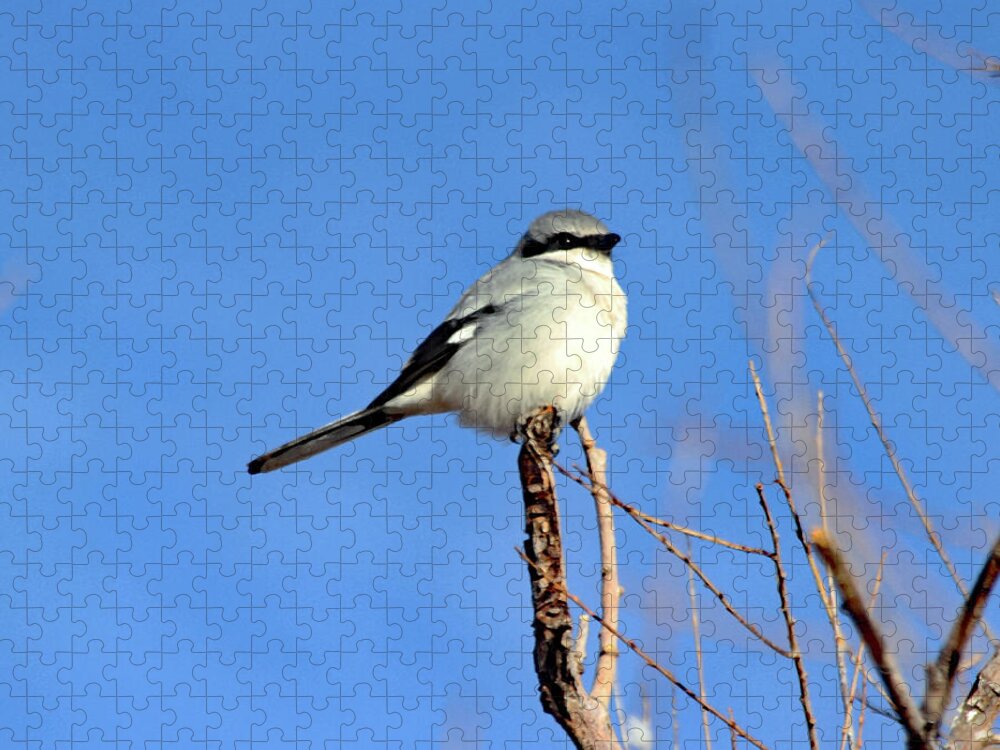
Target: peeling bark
[585,720]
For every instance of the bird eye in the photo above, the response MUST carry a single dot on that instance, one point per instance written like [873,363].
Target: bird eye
[567,240]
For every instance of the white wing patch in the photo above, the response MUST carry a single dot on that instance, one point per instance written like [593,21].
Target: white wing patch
[463,334]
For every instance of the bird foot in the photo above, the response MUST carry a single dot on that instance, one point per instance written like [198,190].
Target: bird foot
[542,425]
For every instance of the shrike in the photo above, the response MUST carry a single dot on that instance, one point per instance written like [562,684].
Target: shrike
[541,328]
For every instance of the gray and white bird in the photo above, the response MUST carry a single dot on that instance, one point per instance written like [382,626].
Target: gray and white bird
[541,328]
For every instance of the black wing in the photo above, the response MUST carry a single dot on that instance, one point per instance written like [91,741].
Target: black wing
[432,355]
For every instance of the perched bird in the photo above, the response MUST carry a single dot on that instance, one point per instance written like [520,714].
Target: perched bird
[541,328]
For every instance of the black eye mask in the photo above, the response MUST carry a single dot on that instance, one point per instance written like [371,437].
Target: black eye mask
[565,240]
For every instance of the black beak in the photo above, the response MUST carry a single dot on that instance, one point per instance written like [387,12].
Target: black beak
[606,242]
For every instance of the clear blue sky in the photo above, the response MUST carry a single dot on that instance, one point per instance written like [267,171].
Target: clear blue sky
[222,227]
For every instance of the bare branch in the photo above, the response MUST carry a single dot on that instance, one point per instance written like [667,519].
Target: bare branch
[877,684]
[674,725]
[907,711]
[688,561]
[858,662]
[890,452]
[653,520]
[786,613]
[864,701]
[696,627]
[858,741]
[607,659]
[585,720]
[653,664]
[771,441]
[830,600]
[719,595]
[941,673]
[972,726]
[786,490]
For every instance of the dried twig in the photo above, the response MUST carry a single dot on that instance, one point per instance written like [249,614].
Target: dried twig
[607,659]
[909,714]
[674,726]
[830,600]
[653,664]
[877,684]
[696,627]
[716,591]
[861,716]
[941,672]
[654,521]
[810,558]
[771,440]
[800,533]
[789,618]
[890,452]
[866,703]
[585,720]
[711,538]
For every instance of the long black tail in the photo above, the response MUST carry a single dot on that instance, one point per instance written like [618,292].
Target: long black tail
[331,435]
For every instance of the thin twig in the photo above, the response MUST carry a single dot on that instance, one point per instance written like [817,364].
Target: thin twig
[690,563]
[847,727]
[877,684]
[686,559]
[647,718]
[861,716]
[771,441]
[866,702]
[908,712]
[653,520]
[607,659]
[830,600]
[716,591]
[800,533]
[690,532]
[897,467]
[653,664]
[810,559]
[696,627]
[675,727]
[789,618]
[941,673]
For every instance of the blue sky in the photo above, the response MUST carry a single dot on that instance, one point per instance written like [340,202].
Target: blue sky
[222,226]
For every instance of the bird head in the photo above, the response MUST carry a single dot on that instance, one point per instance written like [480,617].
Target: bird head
[568,235]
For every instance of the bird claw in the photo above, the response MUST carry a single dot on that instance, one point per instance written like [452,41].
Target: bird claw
[526,425]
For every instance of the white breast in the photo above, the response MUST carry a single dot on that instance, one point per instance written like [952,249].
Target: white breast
[556,343]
